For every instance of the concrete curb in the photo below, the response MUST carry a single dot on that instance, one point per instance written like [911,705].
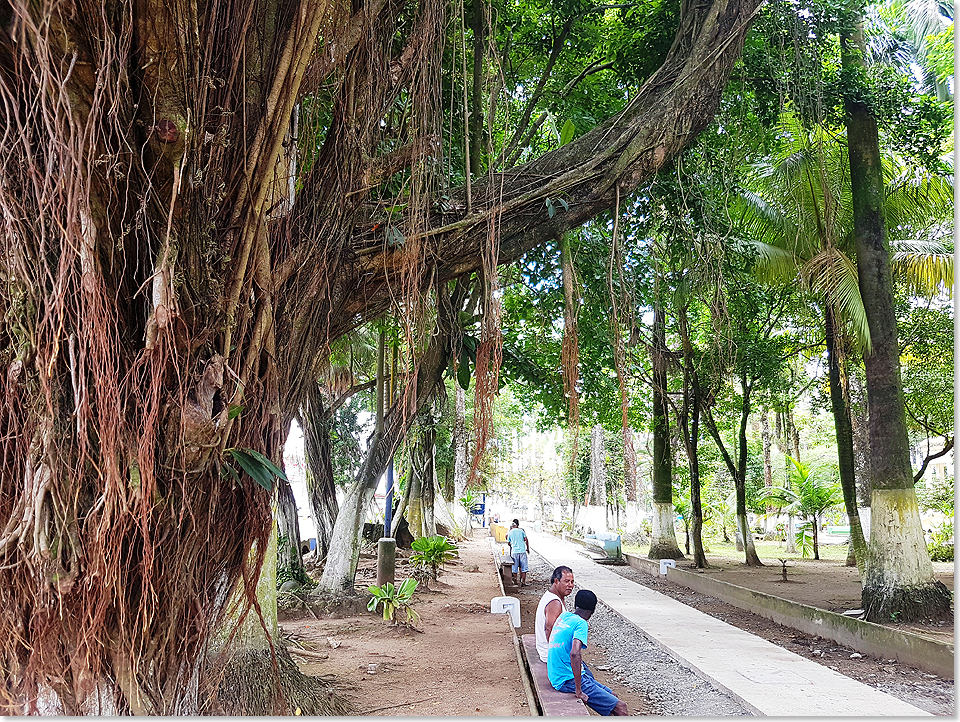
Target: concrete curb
[865,637]
[524,672]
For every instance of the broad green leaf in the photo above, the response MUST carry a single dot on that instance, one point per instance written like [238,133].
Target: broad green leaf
[257,471]
[463,373]
[276,470]
[234,411]
[567,132]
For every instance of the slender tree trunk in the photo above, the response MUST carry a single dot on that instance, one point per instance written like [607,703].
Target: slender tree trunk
[741,479]
[321,490]
[459,442]
[844,433]
[859,414]
[629,464]
[663,544]
[690,430]
[289,558]
[767,460]
[899,582]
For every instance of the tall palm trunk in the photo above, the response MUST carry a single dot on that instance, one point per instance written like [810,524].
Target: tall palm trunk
[844,433]
[899,582]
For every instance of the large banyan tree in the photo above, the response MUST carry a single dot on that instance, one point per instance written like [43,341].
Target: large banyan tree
[193,209]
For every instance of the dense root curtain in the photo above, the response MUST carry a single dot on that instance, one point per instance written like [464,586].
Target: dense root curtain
[169,292]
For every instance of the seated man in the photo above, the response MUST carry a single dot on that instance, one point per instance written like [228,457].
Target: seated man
[565,668]
[551,606]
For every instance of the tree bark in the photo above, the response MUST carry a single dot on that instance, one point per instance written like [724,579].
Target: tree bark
[899,583]
[149,242]
[844,433]
[289,558]
[321,489]
[663,544]
[690,431]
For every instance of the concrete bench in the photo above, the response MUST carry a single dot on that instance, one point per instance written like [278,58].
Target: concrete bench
[552,703]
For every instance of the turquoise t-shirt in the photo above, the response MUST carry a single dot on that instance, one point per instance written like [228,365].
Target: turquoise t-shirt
[518,541]
[569,626]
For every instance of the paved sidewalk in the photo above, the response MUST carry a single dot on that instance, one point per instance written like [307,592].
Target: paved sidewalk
[767,679]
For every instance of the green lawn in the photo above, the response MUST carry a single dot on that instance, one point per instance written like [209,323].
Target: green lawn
[765,549]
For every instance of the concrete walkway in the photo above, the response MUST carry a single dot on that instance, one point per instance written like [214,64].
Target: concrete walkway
[767,679]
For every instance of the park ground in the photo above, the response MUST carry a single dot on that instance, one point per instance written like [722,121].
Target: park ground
[461,660]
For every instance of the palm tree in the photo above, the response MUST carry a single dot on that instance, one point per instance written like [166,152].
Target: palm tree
[813,491]
[798,213]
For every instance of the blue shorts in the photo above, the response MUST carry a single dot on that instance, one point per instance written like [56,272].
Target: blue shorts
[520,560]
[600,698]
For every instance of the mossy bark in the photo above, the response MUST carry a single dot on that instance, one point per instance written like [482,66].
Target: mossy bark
[899,582]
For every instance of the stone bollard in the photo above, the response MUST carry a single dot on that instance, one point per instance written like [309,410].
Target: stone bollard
[386,561]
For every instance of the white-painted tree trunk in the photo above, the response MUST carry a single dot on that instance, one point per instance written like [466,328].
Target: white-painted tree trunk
[663,542]
[898,564]
[341,566]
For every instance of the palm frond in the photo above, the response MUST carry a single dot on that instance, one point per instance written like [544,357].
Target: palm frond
[832,275]
[925,265]
[774,264]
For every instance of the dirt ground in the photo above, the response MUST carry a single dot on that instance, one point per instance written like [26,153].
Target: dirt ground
[824,584]
[462,660]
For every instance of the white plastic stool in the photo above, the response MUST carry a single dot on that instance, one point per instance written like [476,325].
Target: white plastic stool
[506,605]
[664,563]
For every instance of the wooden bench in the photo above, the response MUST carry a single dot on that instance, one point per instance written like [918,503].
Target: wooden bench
[552,703]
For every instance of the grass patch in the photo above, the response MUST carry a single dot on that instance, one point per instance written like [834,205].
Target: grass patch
[719,549]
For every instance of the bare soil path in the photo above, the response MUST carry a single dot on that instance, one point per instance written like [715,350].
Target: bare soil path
[463,661]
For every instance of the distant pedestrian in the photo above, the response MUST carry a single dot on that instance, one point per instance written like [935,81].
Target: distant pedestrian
[565,667]
[519,546]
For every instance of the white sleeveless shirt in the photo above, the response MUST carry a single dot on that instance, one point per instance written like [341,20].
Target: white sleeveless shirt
[540,623]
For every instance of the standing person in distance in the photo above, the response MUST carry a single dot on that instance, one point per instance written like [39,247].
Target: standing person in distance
[565,667]
[551,607]
[519,546]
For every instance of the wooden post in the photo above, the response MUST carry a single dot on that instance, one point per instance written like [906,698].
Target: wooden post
[386,560]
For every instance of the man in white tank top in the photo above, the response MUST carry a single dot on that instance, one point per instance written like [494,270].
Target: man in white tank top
[551,607]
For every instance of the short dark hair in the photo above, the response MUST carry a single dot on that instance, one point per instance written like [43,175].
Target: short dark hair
[558,573]
[517,522]
[585,599]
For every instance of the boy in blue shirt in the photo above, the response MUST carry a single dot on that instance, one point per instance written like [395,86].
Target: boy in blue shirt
[565,668]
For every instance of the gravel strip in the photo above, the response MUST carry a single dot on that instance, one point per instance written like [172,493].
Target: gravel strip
[639,664]
[929,692]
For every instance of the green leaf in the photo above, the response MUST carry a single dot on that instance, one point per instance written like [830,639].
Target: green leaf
[395,237]
[257,471]
[227,470]
[273,468]
[567,132]
[463,372]
[566,206]
[234,411]
[551,211]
